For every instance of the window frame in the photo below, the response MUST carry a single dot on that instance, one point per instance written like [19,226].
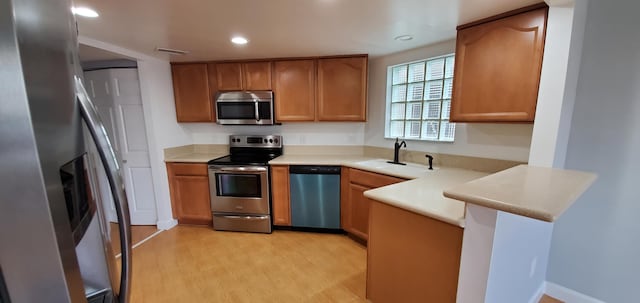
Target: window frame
[389,95]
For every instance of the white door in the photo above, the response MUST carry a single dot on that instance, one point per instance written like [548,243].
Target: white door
[117,98]
[97,84]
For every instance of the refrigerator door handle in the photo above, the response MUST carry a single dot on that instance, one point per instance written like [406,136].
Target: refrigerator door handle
[108,157]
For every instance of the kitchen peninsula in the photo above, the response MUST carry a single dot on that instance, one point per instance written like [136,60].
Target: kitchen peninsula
[417,236]
[506,228]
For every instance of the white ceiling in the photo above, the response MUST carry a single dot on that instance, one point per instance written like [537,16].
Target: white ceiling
[281,28]
[88,53]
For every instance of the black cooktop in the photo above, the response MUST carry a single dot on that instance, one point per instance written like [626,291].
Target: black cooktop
[244,159]
[251,150]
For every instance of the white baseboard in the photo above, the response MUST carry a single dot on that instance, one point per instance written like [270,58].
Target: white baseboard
[539,293]
[568,295]
[167,224]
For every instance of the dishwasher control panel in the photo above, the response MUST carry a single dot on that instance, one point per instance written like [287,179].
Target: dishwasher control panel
[314,169]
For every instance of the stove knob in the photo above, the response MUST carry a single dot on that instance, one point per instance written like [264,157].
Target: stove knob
[270,140]
[265,141]
[276,141]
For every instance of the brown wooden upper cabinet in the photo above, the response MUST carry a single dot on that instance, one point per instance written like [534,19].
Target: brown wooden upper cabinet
[497,67]
[342,89]
[191,93]
[294,83]
[305,89]
[243,75]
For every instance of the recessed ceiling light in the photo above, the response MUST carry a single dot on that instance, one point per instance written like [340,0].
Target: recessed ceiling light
[84,12]
[403,38]
[239,40]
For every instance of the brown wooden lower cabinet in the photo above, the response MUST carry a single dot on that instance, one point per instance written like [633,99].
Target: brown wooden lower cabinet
[281,210]
[358,211]
[410,257]
[189,187]
[355,206]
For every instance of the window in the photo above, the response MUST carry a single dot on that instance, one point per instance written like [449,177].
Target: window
[419,100]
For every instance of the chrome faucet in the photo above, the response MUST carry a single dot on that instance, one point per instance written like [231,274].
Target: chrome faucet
[396,150]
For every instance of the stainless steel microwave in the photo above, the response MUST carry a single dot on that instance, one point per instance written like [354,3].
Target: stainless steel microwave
[245,108]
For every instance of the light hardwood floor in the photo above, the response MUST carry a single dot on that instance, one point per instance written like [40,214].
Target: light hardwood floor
[138,233]
[198,264]
[548,299]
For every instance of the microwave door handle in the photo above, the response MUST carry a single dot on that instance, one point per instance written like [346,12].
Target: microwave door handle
[257,110]
[107,155]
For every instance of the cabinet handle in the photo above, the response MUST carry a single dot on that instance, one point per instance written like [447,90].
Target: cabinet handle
[257,111]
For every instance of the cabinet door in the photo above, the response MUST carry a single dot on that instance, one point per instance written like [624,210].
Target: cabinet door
[359,211]
[257,75]
[371,180]
[294,85]
[497,69]
[229,76]
[411,257]
[345,202]
[191,93]
[189,186]
[342,89]
[213,85]
[280,195]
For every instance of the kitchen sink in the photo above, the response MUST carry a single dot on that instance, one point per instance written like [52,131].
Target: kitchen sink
[382,166]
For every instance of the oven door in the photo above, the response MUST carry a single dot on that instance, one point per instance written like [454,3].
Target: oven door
[244,112]
[239,189]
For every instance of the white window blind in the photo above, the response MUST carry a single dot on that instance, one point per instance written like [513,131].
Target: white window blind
[419,101]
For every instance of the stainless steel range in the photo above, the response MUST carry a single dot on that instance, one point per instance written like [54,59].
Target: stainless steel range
[239,184]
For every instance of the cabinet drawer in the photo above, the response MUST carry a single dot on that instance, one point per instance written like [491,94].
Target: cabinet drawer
[371,180]
[190,169]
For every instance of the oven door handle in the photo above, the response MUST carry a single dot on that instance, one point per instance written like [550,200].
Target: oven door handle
[241,169]
[243,217]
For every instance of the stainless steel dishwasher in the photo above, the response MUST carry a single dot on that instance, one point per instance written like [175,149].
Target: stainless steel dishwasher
[315,196]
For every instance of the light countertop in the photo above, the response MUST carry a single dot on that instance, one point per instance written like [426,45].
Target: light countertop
[409,171]
[422,195]
[195,153]
[536,192]
[317,159]
[192,157]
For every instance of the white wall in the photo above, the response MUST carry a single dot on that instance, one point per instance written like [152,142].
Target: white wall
[163,131]
[156,89]
[596,243]
[330,133]
[558,80]
[497,141]
[519,258]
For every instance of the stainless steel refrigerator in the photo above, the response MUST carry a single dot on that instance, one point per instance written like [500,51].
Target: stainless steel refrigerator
[54,241]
